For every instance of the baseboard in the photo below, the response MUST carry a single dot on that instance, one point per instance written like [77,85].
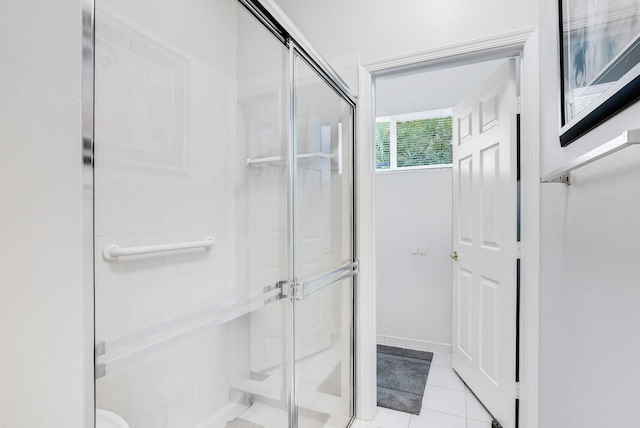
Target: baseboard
[419,345]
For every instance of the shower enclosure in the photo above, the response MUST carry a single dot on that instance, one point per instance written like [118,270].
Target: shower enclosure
[223,219]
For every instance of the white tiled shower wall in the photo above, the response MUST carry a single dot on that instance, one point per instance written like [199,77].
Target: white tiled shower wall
[173,134]
[165,120]
[263,202]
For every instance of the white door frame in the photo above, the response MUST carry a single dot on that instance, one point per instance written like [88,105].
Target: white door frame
[524,44]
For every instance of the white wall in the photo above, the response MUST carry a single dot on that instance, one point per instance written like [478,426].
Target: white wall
[414,290]
[589,370]
[41,303]
[378,29]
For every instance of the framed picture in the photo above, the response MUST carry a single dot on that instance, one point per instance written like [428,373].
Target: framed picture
[599,62]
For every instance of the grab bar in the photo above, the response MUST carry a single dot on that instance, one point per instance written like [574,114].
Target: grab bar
[113,251]
[561,175]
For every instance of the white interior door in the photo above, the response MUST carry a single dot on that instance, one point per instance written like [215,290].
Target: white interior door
[484,239]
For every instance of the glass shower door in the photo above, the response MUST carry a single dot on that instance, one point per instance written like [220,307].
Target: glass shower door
[191,210]
[323,258]
[223,242]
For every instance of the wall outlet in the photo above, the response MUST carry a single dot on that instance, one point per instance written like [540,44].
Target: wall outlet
[422,249]
[414,249]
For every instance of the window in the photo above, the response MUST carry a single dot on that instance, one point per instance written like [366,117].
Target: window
[415,140]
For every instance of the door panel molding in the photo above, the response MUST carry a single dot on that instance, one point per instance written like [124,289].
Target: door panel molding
[489,195]
[484,49]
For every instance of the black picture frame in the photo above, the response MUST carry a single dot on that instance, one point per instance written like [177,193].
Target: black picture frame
[599,63]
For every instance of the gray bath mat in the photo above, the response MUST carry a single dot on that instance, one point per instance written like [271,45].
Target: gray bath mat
[402,377]
[242,423]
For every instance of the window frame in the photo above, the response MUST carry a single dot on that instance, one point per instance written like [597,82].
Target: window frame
[393,137]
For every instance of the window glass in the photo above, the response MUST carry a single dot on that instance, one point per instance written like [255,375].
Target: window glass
[413,140]
[383,151]
[424,142]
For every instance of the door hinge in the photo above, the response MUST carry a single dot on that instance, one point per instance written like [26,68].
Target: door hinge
[518,250]
[518,392]
[293,290]
[518,105]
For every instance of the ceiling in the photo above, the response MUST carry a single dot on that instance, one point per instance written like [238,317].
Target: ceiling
[429,90]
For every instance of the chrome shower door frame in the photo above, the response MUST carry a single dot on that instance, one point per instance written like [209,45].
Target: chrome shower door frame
[296,51]
[87,262]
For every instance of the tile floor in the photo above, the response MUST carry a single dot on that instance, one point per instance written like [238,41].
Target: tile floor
[447,403]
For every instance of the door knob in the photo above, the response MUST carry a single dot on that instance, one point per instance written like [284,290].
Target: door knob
[454,255]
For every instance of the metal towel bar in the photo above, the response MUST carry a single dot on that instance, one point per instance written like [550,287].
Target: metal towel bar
[211,316]
[561,175]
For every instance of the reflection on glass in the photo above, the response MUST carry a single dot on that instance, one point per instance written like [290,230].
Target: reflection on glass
[324,170]
[324,213]
[324,356]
